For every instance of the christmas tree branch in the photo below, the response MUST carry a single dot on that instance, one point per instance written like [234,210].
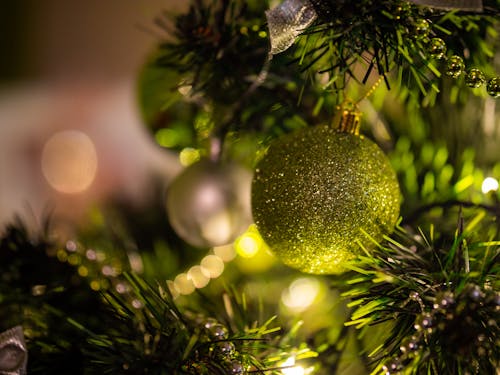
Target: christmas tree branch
[413,216]
[431,293]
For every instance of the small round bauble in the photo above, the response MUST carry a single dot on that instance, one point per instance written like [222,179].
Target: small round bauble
[316,192]
[208,204]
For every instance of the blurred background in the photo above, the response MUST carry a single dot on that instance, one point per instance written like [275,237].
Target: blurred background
[71,134]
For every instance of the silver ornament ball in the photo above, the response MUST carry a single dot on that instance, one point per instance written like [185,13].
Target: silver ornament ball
[208,204]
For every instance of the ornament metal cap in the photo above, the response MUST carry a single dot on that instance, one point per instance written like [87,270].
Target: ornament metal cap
[348,118]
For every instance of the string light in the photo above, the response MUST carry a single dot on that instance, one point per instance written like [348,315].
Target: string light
[172,289]
[101,276]
[226,252]
[198,276]
[301,293]
[183,284]
[489,184]
[218,228]
[213,265]
[83,271]
[291,369]
[248,244]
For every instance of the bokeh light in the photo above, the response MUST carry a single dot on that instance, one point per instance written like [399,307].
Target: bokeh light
[199,276]
[255,255]
[137,304]
[213,265]
[69,161]
[83,271]
[218,228]
[173,290]
[189,156]
[301,293]
[183,284]
[291,369]
[489,184]
[135,261]
[95,285]
[248,244]
[225,252]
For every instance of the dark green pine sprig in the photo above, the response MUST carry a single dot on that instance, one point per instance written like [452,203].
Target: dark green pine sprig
[218,47]
[354,39]
[153,335]
[135,329]
[440,300]
[217,55]
[39,292]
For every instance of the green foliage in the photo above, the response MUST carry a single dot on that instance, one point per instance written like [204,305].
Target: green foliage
[355,39]
[439,295]
[209,70]
[219,45]
[433,298]
[35,291]
[113,322]
[219,51]
[428,176]
[150,334]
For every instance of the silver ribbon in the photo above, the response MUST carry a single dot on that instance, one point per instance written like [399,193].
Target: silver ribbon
[287,21]
[13,352]
[470,5]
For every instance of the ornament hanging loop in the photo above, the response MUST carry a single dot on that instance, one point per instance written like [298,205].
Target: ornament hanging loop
[347,118]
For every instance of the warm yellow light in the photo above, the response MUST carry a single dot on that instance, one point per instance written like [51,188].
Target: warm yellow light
[301,293]
[95,285]
[173,290]
[74,259]
[108,271]
[183,284]
[213,265]
[122,288]
[83,271]
[91,254]
[188,156]
[137,304]
[185,90]
[261,262]
[489,184]
[135,261]
[198,276]
[248,244]
[69,161]
[218,228]
[291,369]
[62,255]
[226,252]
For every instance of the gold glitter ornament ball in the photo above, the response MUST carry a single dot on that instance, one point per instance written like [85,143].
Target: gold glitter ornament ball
[316,191]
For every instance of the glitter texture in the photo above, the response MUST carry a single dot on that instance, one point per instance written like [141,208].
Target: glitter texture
[316,191]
